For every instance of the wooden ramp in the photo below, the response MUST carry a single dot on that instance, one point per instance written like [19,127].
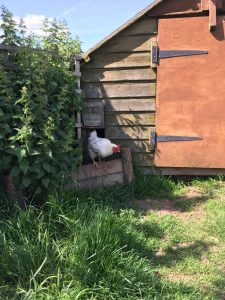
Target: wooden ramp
[107,173]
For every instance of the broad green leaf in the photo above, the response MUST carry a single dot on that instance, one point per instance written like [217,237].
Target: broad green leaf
[26,181]
[47,167]
[15,171]
[21,154]
[24,165]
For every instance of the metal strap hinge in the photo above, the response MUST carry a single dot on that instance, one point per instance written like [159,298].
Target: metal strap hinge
[154,138]
[157,54]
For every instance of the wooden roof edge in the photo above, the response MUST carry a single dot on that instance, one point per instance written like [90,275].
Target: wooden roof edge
[86,55]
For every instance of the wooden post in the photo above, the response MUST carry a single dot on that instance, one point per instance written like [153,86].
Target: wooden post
[212,6]
[204,5]
[77,72]
[128,171]
[212,15]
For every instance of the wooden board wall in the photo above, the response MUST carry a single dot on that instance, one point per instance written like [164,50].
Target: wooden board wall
[120,75]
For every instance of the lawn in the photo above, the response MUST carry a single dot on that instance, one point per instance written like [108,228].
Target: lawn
[155,239]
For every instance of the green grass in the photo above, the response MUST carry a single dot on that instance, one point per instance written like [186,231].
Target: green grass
[101,245]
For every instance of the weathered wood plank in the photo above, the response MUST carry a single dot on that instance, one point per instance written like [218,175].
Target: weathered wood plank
[204,5]
[143,159]
[130,119]
[118,60]
[191,171]
[142,26]
[134,145]
[128,171]
[93,114]
[212,15]
[118,105]
[103,169]
[148,171]
[103,75]
[108,180]
[118,90]
[135,43]
[125,132]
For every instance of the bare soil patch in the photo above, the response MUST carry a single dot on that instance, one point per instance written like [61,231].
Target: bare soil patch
[166,206]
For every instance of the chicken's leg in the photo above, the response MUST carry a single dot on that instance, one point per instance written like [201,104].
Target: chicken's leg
[94,163]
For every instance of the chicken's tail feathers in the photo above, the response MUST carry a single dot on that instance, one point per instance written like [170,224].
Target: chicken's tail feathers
[93,134]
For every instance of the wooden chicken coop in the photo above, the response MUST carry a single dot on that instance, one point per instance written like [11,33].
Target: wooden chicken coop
[157,85]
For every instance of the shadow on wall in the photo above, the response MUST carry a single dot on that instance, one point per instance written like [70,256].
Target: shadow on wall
[218,32]
[119,75]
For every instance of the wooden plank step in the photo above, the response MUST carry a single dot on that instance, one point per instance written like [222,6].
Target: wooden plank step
[103,169]
[108,180]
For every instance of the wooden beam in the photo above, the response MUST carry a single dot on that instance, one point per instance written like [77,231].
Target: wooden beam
[204,5]
[212,15]
[128,171]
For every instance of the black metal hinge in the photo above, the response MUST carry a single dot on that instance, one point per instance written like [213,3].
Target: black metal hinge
[157,54]
[154,138]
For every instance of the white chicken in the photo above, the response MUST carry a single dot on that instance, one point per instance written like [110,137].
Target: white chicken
[100,147]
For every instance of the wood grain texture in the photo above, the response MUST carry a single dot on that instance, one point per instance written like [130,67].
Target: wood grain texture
[135,43]
[130,90]
[134,145]
[119,105]
[128,171]
[95,182]
[128,132]
[142,26]
[130,119]
[103,169]
[93,114]
[212,15]
[118,60]
[113,75]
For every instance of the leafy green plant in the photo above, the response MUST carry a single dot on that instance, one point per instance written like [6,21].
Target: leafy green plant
[38,102]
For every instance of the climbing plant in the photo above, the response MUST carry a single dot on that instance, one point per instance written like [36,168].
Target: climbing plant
[38,101]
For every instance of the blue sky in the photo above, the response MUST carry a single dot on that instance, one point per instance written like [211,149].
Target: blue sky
[91,20]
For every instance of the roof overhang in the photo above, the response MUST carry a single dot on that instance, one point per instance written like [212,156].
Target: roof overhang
[86,55]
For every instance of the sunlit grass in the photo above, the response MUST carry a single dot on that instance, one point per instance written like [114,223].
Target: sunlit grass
[97,245]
